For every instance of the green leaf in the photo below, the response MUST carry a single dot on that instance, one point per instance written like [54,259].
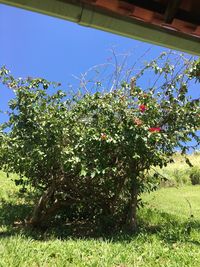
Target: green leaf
[93,174]
[83,172]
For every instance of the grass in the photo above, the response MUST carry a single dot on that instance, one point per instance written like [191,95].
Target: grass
[178,173]
[169,234]
[181,202]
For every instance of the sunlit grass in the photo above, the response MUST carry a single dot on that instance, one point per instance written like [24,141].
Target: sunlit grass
[182,201]
[178,173]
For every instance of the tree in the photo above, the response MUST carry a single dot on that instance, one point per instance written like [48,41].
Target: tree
[90,153]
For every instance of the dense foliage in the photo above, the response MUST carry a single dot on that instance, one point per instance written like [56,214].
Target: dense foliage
[89,154]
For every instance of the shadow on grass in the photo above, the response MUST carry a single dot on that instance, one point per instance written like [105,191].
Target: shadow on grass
[10,215]
[152,222]
[168,227]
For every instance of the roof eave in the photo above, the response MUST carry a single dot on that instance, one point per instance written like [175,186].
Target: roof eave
[101,19]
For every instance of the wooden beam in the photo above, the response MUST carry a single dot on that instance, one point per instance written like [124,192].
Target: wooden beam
[171,10]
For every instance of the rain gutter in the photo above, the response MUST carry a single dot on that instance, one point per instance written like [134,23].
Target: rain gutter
[92,16]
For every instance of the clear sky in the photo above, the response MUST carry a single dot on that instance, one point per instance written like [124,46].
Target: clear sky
[36,45]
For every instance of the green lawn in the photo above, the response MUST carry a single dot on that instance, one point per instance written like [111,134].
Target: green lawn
[168,235]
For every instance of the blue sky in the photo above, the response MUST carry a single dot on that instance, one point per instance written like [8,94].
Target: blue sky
[41,46]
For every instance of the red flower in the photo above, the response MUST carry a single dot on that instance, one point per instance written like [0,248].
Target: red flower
[154,129]
[142,108]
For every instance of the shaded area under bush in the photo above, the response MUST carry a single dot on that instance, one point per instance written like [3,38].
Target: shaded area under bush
[167,227]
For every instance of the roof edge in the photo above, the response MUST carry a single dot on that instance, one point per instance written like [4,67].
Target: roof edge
[90,16]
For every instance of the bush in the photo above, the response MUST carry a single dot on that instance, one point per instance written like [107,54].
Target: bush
[90,153]
[195,175]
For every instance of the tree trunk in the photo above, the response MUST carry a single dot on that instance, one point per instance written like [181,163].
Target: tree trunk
[132,220]
[40,208]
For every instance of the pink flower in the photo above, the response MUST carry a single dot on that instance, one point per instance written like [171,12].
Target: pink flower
[142,108]
[137,121]
[103,136]
[155,129]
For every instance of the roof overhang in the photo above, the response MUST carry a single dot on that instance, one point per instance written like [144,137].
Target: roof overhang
[88,13]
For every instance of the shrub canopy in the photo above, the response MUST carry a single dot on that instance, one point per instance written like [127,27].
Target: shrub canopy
[91,153]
